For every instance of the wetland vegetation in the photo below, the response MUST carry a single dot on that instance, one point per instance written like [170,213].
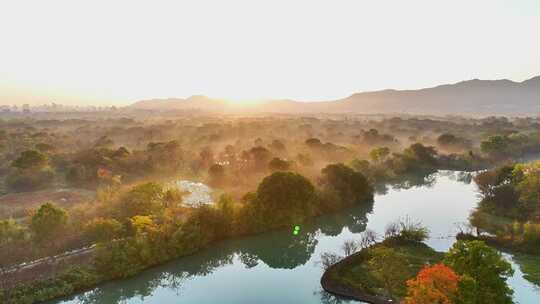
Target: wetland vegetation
[116,201]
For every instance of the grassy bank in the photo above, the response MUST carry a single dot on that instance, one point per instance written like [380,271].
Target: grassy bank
[498,236]
[530,266]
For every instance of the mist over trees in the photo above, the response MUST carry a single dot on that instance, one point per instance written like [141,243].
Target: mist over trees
[111,182]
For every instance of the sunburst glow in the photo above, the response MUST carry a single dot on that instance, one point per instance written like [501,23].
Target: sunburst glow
[120,51]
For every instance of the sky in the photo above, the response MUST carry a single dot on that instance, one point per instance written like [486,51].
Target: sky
[116,52]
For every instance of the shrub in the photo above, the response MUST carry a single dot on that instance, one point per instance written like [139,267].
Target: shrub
[413,231]
[72,280]
[406,230]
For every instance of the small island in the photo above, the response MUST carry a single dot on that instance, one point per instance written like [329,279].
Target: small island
[403,269]
[353,278]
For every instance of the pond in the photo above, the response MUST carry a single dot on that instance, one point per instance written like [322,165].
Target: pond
[280,267]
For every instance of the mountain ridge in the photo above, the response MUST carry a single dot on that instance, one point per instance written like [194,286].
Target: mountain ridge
[474,96]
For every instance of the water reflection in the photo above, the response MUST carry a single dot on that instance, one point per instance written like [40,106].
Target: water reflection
[276,249]
[279,267]
[355,220]
[459,176]
[327,298]
[424,179]
[408,181]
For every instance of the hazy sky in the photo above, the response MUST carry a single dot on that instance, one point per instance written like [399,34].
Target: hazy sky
[115,52]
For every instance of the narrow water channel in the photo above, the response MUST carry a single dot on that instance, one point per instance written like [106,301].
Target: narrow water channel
[279,267]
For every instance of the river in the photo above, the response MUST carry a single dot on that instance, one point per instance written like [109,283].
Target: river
[279,267]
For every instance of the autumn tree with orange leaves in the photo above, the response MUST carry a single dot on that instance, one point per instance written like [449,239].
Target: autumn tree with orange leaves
[437,284]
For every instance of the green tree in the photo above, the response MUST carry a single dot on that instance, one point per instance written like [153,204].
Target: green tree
[172,197]
[529,194]
[282,198]
[360,165]
[144,199]
[351,186]
[379,154]
[31,172]
[260,156]
[102,229]
[453,142]
[10,231]
[495,146]
[31,159]
[204,225]
[447,139]
[489,181]
[421,153]
[486,267]
[225,205]
[48,222]
[278,164]
[118,259]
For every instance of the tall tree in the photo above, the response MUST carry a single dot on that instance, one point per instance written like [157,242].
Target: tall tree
[48,222]
[486,267]
[379,154]
[283,198]
[143,199]
[351,186]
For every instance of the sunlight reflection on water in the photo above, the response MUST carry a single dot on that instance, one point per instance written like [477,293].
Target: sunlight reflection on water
[199,193]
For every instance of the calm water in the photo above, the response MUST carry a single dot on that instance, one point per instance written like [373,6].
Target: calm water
[278,267]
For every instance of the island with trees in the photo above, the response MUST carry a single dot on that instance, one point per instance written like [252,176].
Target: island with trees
[402,269]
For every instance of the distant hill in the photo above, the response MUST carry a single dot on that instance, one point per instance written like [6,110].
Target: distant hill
[193,102]
[472,97]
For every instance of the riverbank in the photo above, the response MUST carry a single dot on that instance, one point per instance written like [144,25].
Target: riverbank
[280,260]
[158,262]
[69,278]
